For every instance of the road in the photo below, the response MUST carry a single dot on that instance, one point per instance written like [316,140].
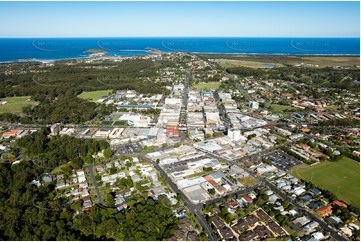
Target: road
[156,116]
[281,193]
[95,184]
[194,209]
[244,92]
[183,113]
[222,112]
[242,191]
[284,196]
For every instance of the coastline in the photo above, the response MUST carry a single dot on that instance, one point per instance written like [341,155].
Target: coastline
[149,52]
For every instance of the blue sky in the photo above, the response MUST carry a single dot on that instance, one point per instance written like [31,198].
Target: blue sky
[176,19]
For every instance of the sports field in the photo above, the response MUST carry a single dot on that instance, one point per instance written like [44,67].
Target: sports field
[340,177]
[15,104]
[279,108]
[207,86]
[94,96]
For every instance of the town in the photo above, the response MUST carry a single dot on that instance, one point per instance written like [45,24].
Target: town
[238,157]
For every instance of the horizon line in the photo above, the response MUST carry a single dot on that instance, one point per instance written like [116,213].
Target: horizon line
[73,37]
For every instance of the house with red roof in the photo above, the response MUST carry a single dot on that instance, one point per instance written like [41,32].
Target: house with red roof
[245,200]
[339,204]
[325,211]
[172,131]
[11,133]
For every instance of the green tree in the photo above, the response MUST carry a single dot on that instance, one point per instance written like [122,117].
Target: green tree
[108,153]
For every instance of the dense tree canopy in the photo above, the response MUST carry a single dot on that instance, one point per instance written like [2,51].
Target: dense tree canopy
[58,150]
[28,212]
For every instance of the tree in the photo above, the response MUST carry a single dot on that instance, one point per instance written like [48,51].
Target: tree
[207,169]
[108,153]
[78,204]
[179,197]
[77,163]
[217,134]
[109,200]
[212,191]
[112,170]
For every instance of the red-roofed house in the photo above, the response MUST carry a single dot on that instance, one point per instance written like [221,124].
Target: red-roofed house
[233,204]
[172,131]
[246,200]
[327,210]
[339,203]
[11,133]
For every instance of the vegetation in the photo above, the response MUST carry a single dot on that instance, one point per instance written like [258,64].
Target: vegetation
[207,86]
[95,95]
[56,88]
[318,77]
[31,213]
[234,63]
[58,150]
[16,104]
[63,110]
[321,61]
[28,212]
[345,122]
[280,108]
[341,177]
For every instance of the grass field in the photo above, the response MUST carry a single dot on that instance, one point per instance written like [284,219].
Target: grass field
[341,178]
[279,108]
[253,64]
[94,96]
[16,104]
[321,61]
[248,181]
[207,86]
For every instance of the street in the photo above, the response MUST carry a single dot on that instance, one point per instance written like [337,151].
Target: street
[194,209]
[95,184]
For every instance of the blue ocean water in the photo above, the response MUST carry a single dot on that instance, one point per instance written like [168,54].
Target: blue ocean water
[18,49]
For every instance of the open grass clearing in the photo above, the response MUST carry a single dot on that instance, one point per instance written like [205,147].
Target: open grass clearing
[95,95]
[207,86]
[340,177]
[16,104]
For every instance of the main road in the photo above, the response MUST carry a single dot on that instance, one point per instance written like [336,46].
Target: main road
[183,112]
[194,209]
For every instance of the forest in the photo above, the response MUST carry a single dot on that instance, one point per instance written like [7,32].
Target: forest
[348,79]
[63,78]
[28,212]
[58,150]
[56,87]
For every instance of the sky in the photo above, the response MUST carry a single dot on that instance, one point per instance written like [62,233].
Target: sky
[179,19]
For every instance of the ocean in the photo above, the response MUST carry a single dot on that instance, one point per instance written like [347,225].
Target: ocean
[49,49]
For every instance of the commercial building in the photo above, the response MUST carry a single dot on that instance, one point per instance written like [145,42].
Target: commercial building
[234,134]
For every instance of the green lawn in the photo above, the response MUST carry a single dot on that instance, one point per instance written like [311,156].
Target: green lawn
[252,64]
[94,96]
[279,108]
[207,86]
[16,104]
[248,181]
[195,175]
[341,178]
